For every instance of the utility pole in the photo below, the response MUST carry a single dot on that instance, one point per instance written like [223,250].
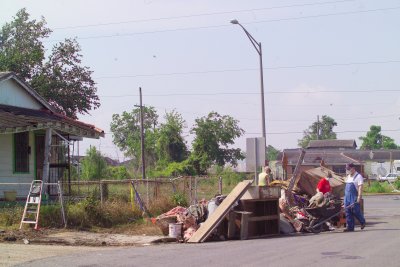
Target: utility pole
[317,127]
[142,146]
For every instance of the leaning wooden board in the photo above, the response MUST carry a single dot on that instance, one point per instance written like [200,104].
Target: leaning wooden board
[216,217]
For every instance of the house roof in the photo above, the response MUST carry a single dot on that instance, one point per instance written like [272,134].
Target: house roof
[332,143]
[16,119]
[11,75]
[338,157]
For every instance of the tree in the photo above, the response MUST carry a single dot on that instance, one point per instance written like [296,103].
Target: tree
[171,146]
[21,47]
[64,83]
[375,140]
[213,135]
[61,80]
[126,134]
[319,130]
[272,153]
[94,165]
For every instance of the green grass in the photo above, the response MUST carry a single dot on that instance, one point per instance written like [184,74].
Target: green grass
[380,187]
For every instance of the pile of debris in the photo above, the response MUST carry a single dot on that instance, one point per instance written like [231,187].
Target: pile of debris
[305,210]
[189,218]
[258,211]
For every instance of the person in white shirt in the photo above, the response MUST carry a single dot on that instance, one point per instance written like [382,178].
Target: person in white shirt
[353,192]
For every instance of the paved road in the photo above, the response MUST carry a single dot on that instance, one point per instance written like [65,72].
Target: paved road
[376,245]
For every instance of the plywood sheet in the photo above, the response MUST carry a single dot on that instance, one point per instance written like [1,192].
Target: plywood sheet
[215,218]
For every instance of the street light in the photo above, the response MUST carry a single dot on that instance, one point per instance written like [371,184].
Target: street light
[257,46]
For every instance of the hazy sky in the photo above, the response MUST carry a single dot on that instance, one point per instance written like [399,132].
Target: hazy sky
[335,58]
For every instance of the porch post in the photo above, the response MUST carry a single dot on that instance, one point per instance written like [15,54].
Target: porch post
[46,164]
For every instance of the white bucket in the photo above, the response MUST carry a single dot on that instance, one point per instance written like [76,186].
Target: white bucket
[175,230]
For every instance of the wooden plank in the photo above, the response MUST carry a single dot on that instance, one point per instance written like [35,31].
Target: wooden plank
[264,218]
[215,218]
[231,225]
[244,226]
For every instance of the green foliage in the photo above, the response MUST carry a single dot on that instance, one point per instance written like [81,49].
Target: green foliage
[179,199]
[377,187]
[375,140]
[90,212]
[396,184]
[10,215]
[230,177]
[21,47]
[61,80]
[213,135]
[50,216]
[319,130]
[161,205]
[68,86]
[173,169]
[272,153]
[76,216]
[93,165]
[126,134]
[117,172]
[171,146]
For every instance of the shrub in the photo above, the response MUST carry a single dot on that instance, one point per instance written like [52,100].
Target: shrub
[376,187]
[76,216]
[163,204]
[117,172]
[178,199]
[230,177]
[173,169]
[50,216]
[91,212]
[396,184]
[11,215]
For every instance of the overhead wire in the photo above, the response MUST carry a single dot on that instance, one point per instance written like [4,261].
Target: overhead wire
[249,69]
[200,15]
[227,25]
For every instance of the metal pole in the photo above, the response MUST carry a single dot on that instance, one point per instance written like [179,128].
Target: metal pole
[258,48]
[256,162]
[262,92]
[142,147]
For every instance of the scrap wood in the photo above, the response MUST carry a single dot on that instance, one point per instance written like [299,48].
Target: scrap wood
[142,206]
[216,217]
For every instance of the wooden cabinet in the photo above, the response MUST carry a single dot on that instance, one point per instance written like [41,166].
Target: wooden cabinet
[256,218]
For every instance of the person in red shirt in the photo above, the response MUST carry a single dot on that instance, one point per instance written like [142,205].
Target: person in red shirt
[324,185]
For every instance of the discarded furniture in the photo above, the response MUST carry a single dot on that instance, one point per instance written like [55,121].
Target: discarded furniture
[257,214]
[219,214]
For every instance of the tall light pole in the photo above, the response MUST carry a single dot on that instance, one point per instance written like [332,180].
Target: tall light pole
[258,48]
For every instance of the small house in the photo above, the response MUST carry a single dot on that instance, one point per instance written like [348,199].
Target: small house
[34,138]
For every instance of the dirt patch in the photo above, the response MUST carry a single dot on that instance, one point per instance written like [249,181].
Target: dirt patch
[78,238]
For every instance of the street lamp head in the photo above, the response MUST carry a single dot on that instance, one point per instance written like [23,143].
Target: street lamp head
[234,21]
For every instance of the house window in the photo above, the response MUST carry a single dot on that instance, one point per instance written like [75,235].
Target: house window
[21,148]
[340,169]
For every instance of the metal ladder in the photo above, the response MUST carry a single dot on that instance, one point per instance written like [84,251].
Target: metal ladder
[32,205]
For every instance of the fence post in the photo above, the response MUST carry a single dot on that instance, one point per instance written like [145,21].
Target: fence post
[195,190]
[220,185]
[190,189]
[103,191]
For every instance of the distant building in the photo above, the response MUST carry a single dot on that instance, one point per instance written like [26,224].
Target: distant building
[335,154]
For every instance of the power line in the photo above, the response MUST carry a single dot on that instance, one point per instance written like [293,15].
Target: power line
[200,15]
[225,25]
[250,69]
[270,92]
[301,132]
